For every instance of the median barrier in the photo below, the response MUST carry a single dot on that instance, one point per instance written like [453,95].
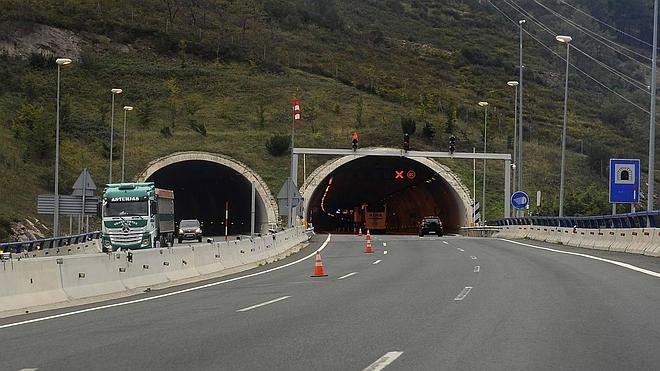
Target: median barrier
[30,282]
[84,276]
[622,239]
[182,263]
[145,268]
[654,248]
[208,258]
[604,239]
[585,238]
[554,234]
[637,242]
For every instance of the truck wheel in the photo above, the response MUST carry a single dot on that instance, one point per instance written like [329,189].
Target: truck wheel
[180,240]
[199,239]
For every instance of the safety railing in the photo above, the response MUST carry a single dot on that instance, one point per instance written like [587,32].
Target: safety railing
[646,219]
[47,243]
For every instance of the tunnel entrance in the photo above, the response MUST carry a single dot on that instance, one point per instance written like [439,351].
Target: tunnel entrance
[388,194]
[205,183]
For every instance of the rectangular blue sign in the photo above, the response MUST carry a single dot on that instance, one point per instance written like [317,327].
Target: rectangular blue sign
[624,181]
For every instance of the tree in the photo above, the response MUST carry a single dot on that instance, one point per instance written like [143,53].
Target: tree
[34,131]
[408,125]
[173,100]
[451,121]
[428,131]
[145,113]
[278,145]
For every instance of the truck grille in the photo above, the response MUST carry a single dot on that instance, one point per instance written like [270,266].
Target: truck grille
[132,237]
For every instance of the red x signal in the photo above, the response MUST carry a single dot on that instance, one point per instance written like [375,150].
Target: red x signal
[398,174]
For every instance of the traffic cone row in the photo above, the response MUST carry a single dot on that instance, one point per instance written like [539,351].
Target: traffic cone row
[318,266]
[368,235]
[360,232]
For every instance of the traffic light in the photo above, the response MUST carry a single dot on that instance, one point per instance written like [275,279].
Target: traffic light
[355,141]
[406,142]
[452,144]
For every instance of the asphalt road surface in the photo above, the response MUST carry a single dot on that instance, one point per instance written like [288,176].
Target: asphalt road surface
[432,303]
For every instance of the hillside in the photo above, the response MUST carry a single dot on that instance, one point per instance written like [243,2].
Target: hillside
[218,75]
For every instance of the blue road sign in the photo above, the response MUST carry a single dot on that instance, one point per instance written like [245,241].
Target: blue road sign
[624,181]
[519,200]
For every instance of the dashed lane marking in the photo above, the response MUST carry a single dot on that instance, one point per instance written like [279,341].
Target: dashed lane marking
[459,249]
[385,252]
[376,262]
[445,242]
[477,269]
[384,244]
[463,293]
[384,361]
[347,275]
[263,304]
[473,257]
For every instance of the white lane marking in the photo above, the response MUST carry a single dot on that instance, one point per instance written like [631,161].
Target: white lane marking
[385,252]
[384,244]
[263,304]
[121,304]
[445,242]
[473,257]
[477,269]
[463,293]
[376,262]
[459,249]
[614,262]
[28,369]
[384,361]
[347,275]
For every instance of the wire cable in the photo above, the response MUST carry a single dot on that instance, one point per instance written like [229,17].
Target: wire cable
[564,59]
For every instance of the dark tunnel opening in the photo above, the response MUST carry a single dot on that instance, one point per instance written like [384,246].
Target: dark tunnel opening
[201,190]
[395,191]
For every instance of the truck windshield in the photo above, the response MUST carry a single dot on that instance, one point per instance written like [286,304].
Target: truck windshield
[131,208]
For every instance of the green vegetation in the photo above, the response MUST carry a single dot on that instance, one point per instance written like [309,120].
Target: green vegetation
[219,75]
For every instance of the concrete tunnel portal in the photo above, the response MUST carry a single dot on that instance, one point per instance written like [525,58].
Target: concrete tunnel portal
[203,183]
[404,189]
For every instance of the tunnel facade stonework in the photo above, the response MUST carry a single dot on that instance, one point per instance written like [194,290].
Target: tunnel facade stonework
[264,195]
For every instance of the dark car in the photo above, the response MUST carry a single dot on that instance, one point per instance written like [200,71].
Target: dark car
[190,229]
[430,224]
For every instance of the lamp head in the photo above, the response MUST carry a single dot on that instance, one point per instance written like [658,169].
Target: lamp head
[116,91]
[483,104]
[520,22]
[128,108]
[563,39]
[63,61]
[512,83]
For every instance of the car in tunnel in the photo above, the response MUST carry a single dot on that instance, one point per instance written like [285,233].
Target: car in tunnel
[430,224]
[190,229]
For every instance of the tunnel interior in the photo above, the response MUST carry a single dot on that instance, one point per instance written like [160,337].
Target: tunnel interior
[201,191]
[401,189]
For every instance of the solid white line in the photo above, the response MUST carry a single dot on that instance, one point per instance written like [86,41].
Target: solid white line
[461,250]
[121,304]
[376,262]
[347,275]
[614,262]
[263,304]
[477,269]
[463,293]
[445,242]
[385,252]
[473,257]
[28,369]
[383,361]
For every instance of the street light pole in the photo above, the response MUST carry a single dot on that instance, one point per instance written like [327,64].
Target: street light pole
[123,146]
[483,189]
[651,191]
[566,40]
[515,134]
[112,130]
[519,160]
[56,212]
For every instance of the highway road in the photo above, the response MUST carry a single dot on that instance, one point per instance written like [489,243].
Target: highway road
[432,303]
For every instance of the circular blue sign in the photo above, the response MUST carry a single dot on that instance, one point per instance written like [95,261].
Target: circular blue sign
[519,200]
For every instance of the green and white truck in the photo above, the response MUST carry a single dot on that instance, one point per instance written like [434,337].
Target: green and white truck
[136,216]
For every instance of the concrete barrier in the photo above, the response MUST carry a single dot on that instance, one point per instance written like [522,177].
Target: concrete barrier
[622,239]
[30,282]
[654,248]
[40,281]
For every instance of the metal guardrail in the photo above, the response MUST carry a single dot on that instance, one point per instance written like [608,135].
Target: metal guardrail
[646,219]
[47,243]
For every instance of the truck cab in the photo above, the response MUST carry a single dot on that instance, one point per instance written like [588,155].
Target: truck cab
[136,216]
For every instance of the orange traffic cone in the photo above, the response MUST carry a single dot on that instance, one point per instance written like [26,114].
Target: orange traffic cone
[368,235]
[318,266]
[360,231]
[369,249]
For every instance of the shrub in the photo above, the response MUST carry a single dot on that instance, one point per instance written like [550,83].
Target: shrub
[428,131]
[278,145]
[408,125]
